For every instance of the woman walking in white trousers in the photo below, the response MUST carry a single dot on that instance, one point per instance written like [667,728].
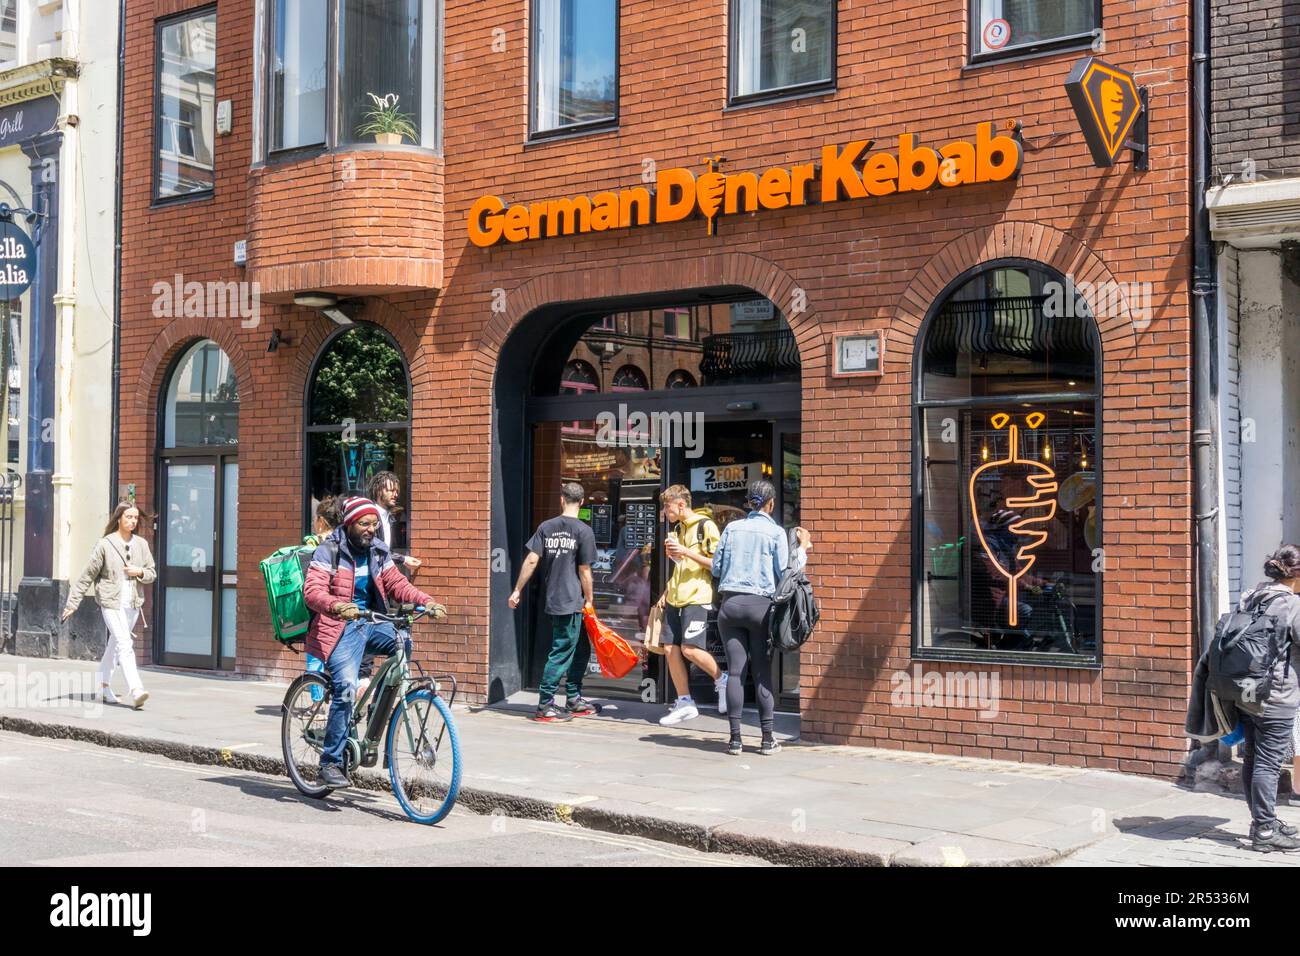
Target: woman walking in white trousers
[121,560]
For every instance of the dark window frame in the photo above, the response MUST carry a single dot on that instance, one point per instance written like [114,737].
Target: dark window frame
[779,92]
[156,136]
[577,129]
[273,157]
[308,429]
[1091,661]
[1078,41]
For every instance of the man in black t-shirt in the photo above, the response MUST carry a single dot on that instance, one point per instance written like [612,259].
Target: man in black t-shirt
[566,548]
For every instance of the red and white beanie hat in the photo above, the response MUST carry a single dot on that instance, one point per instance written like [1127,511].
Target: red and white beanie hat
[354,509]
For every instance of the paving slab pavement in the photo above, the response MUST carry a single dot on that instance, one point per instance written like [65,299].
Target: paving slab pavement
[622,772]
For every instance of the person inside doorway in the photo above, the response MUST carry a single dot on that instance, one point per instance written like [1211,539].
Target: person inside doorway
[688,600]
[752,555]
[365,579]
[385,491]
[565,547]
[120,560]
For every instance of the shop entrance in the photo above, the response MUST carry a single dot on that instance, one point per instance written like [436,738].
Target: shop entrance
[726,411]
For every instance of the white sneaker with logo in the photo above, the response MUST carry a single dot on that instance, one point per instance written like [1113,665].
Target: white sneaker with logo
[106,694]
[720,685]
[685,710]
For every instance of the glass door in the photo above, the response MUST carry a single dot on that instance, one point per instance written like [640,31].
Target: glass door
[197,561]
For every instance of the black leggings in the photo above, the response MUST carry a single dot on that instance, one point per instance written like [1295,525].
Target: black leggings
[742,624]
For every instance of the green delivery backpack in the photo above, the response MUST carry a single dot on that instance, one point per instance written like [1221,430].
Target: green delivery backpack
[285,572]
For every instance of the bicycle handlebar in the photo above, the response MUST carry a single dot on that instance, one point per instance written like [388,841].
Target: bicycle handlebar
[377,617]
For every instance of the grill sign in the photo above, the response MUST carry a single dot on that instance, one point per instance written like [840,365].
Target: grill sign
[17,262]
[1106,101]
[845,172]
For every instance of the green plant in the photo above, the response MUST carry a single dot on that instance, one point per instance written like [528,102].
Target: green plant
[385,117]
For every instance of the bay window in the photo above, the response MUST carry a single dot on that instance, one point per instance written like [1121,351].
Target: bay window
[352,72]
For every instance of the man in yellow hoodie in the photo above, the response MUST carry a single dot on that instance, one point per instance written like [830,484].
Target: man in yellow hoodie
[687,601]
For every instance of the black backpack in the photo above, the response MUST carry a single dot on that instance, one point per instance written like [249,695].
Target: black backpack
[1246,647]
[794,612]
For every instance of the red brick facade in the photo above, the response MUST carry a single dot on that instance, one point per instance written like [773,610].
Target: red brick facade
[397,233]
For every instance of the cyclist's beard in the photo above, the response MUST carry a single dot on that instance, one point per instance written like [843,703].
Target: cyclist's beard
[360,540]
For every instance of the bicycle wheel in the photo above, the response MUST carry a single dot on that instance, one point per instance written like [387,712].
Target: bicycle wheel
[423,756]
[302,731]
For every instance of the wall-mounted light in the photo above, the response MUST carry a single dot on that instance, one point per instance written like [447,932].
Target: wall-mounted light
[328,304]
[278,338]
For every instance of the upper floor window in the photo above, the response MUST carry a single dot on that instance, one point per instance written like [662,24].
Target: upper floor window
[8,33]
[383,58]
[1014,27]
[781,46]
[574,65]
[186,95]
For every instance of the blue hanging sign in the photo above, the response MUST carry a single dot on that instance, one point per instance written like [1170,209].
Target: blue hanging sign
[17,262]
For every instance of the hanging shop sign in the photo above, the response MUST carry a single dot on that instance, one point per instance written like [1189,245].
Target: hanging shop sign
[17,261]
[1110,107]
[845,172]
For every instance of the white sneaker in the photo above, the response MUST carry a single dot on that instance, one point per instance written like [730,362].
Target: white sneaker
[107,694]
[720,685]
[685,710]
[138,697]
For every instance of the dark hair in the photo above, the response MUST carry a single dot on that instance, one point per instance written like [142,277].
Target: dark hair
[760,492]
[572,492]
[1283,563]
[328,511]
[380,480]
[122,508]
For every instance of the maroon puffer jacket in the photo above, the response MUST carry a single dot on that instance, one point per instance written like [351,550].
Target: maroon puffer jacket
[390,584]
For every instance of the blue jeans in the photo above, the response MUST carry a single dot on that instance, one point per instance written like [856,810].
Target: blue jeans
[358,639]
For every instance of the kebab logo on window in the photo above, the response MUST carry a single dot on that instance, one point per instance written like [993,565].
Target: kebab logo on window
[1012,525]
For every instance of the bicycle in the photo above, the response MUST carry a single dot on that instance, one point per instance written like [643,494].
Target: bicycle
[421,745]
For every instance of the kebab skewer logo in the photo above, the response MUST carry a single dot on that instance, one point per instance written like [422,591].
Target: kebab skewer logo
[851,171]
[1031,512]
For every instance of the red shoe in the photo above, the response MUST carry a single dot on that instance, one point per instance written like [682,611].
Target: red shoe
[581,707]
[551,714]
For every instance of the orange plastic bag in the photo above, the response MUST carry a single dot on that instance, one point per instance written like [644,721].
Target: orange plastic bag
[615,655]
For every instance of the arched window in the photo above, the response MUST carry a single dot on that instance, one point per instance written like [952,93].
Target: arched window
[198,476]
[680,378]
[202,404]
[359,418]
[579,378]
[1007,461]
[629,378]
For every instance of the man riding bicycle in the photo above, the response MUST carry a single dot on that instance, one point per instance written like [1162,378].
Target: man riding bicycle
[351,573]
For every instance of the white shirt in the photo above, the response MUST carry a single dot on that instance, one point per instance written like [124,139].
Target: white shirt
[386,522]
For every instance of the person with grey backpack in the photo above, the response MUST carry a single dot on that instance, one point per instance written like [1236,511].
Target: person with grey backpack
[1253,665]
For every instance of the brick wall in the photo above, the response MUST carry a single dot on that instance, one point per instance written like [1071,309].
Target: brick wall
[876,263]
[1255,63]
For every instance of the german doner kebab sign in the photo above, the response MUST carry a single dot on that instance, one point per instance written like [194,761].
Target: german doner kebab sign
[848,172]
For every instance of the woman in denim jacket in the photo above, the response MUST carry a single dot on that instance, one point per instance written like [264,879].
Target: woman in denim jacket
[750,559]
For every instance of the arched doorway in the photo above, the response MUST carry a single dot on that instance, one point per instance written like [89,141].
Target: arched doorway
[198,481]
[717,375]
[358,420]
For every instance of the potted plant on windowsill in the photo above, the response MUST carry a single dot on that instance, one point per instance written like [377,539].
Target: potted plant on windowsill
[386,123]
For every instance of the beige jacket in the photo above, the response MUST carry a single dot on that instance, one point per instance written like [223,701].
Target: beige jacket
[107,570]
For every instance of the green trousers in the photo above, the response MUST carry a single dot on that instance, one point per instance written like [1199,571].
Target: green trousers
[570,652]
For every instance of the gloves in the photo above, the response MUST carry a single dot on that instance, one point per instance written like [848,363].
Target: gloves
[349,611]
[437,612]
